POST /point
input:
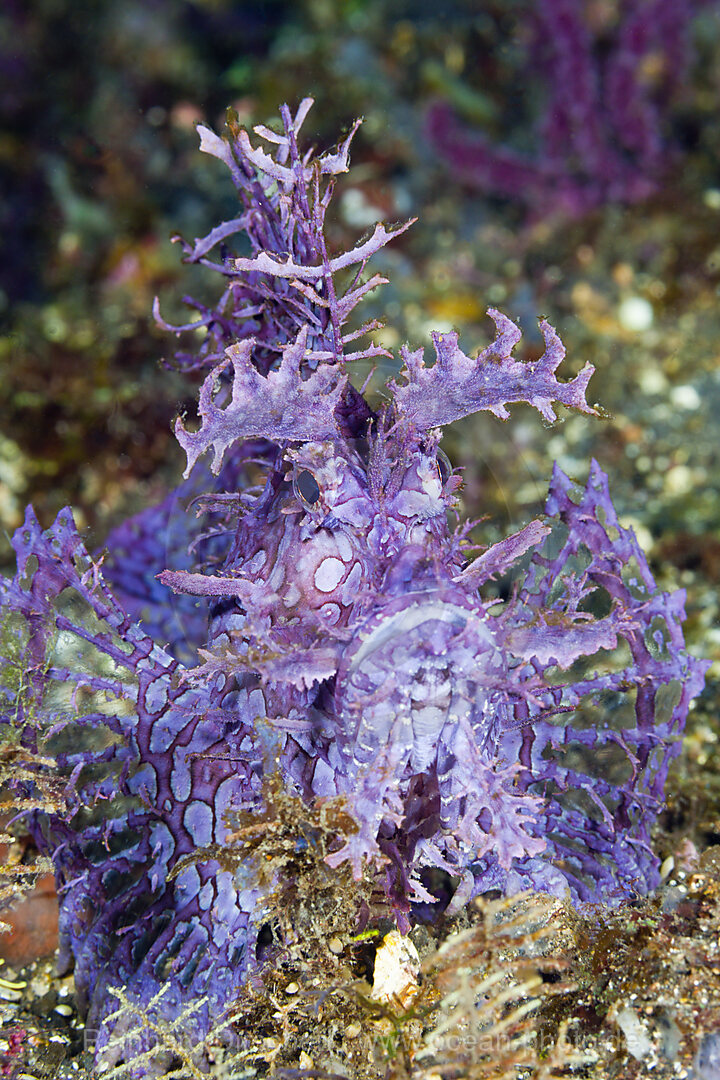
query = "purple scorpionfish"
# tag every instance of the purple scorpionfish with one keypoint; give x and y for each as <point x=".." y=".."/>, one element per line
<point x="331" y="610"/>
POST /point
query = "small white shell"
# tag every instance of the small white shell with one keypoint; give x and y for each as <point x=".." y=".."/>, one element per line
<point x="396" y="970"/>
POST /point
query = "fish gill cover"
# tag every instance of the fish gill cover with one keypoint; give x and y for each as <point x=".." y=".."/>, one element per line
<point x="327" y="630"/>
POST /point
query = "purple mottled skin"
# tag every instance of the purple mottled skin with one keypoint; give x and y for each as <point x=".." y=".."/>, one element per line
<point x="348" y="639"/>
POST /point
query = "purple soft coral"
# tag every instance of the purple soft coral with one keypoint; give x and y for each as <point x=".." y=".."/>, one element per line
<point x="344" y="615"/>
<point x="602" y="137"/>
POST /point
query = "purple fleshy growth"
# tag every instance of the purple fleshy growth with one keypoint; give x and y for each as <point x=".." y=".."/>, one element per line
<point x="279" y="405"/>
<point x="457" y="386"/>
<point x="601" y="138"/>
<point x="166" y="751"/>
<point x="288" y="286"/>
<point x="608" y="779"/>
<point x="170" y="533"/>
<point x="511" y="744"/>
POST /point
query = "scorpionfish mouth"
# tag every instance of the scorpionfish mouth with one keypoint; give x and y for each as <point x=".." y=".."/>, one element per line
<point x="421" y="668"/>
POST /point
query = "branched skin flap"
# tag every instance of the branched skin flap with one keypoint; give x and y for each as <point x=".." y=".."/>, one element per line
<point x="604" y="134"/>
<point x="328" y="622"/>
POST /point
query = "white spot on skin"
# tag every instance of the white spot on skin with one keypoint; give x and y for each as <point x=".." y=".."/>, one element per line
<point x="428" y="720"/>
<point x="235" y="700"/>
<point x="163" y="733"/>
<point x="254" y="565"/>
<point x="145" y="782"/>
<point x="330" y="613"/>
<point x="198" y="820"/>
<point x="187" y="884"/>
<point x="225" y="908"/>
<point x="256" y="703"/>
<point x="324" y="779"/>
<point x="329" y="574"/>
<point x="411" y="503"/>
<point x="206" y="733"/>
<point x="207" y="894"/>
<point x="156" y="697"/>
<point x="352" y="584"/>
<point x="430" y="478"/>
<point x="163" y="844"/>
<point x="277" y="577"/>
<point x="292" y="596"/>
<point x="344" y="547"/>
<point x="180" y="779"/>
<point x="227" y="790"/>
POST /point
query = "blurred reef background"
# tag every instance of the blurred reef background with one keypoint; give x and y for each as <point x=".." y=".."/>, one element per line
<point x="562" y="158"/>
